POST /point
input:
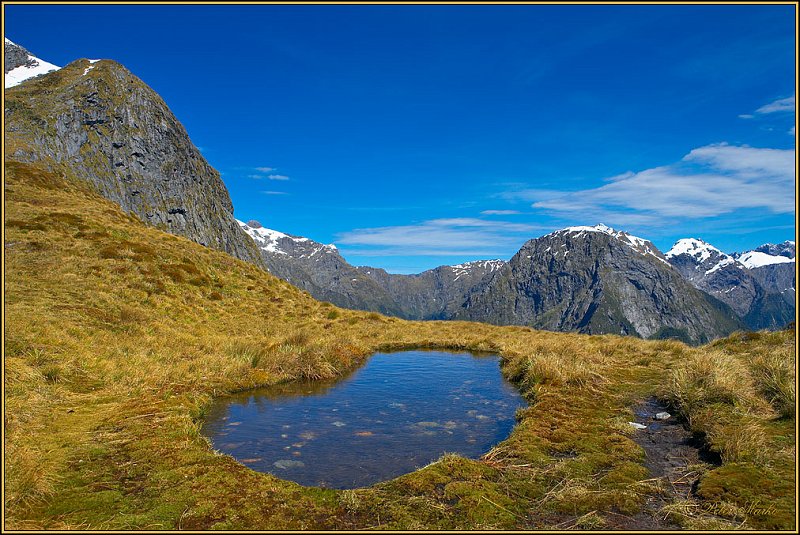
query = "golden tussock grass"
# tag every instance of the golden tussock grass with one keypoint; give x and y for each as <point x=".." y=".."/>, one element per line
<point x="118" y="337"/>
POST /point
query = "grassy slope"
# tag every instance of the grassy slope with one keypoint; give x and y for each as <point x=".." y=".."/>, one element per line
<point x="118" y="336"/>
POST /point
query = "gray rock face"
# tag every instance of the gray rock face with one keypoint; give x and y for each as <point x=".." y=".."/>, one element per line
<point x="597" y="282"/>
<point x="106" y="126"/>
<point x="777" y="278"/>
<point x="16" y="56"/>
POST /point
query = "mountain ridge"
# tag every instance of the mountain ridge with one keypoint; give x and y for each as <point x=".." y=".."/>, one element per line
<point x="99" y="122"/>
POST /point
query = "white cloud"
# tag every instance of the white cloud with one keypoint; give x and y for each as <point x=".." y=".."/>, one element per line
<point x="274" y="193"/>
<point x="256" y="177"/>
<point x="278" y="177"/>
<point x="441" y="237"/>
<point x="791" y="131"/>
<point x="500" y="212"/>
<point x="265" y="169"/>
<point x="780" y="105"/>
<point x="709" y="181"/>
<point x="746" y="116"/>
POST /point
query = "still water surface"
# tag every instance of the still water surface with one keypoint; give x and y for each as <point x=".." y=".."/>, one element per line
<point x="397" y="413"/>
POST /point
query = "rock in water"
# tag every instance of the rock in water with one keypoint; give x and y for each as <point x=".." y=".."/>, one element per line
<point x="663" y="416"/>
<point x="283" y="464"/>
<point x="637" y="426"/>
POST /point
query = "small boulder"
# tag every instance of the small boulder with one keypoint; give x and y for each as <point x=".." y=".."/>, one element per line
<point x="663" y="416"/>
<point x="637" y="426"/>
<point x="283" y="464"/>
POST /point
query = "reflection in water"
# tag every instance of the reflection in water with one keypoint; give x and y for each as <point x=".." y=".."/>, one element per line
<point x="397" y="413"/>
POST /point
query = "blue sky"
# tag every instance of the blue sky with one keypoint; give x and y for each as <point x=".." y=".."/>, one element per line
<point x="416" y="136"/>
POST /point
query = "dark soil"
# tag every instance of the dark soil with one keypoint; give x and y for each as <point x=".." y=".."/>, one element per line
<point x="671" y="452"/>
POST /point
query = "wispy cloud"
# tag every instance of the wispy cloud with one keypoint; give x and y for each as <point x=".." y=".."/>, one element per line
<point x="709" y="181"/>
<point x="782" y="105"/>
<point x="441" y="237"/>
<point x="791" y="131"/>
<point x="500" y="212"/>
<point x="274" y="193"/>
<point x="266" y="173"/>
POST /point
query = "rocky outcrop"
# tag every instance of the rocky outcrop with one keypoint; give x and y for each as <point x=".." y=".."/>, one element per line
<point x="100" y="123"/>
<point x="16" y="56"/>
<point x="596" y="280"/>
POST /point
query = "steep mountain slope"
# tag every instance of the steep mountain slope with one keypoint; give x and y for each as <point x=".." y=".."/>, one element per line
<point x="21" y="65"/>
<point x="100" y="123"/>
<point x="597" y="280"/>
<point x="436" y="293"/>
<point x="320" y="270"/>
<point x="737" y="281"/>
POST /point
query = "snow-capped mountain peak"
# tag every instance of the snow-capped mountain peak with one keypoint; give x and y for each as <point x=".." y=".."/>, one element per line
<point x="698" y="249"/>
<point x="712" y="259"/>
<point x="21" y="65"/>
<point x="756" y="259"/>
<point x="273" y="241"/>
<point x="634" y="242"/>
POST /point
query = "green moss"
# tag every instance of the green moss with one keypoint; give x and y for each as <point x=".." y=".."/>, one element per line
<point x="763" y="495"/>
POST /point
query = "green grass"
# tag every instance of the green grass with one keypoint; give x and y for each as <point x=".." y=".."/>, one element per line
<point x="118" y="337"/>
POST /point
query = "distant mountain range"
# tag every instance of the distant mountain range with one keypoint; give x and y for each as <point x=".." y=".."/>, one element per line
<point x="586" y="279"/>
<point x="96" y="122"/>
<point x="758" y="285"/>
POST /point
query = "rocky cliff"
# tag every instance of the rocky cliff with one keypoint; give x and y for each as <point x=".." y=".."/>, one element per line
<point x="98" y="122"/>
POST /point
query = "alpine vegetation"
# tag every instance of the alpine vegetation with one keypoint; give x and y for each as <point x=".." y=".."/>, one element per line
<point x="151" y="341"/>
